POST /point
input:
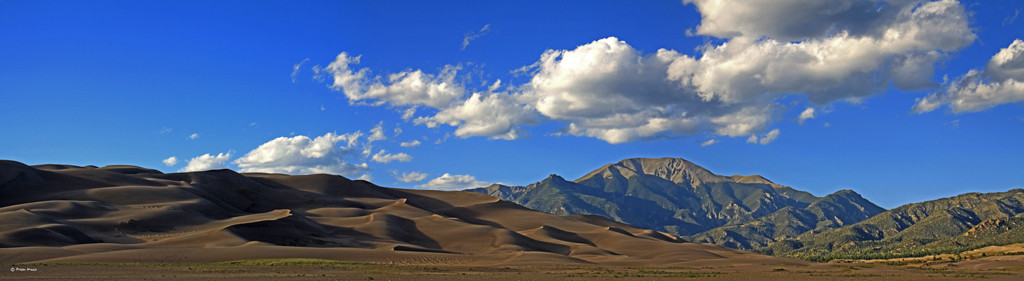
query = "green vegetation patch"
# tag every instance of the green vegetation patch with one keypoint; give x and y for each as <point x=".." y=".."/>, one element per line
<point x="1013" y="268"/>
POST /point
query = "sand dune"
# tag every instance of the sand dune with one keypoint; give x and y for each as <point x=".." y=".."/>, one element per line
<point x="64" y="213"/>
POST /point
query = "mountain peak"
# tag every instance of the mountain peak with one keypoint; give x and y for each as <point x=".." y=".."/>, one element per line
<point x="677" y="170"/>
<point x="555" y="177"/>
<point x="845" y="193"/>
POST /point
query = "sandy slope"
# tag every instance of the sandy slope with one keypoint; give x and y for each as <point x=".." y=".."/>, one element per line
<point x="62" y="213"/>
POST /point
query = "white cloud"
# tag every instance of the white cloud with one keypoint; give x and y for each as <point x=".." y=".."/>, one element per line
<point x="1000" y="82"/>
<point x="412" y="143"/>
<point x="1008" y="63"/>
<point x="297" y="67"/>
<point x="745" y="121"/>
<point x="193" y="136"/>
<point x="806" y="114"/>
<point x="607" y="77"/>
<point x="494" y="87"/>
<point x="795" y="20"/>
<point x="207" y="162"/>
<point x="470" y="36"/>
<point x="709" y="142"/>
<point x="608" y="90"/>
<point x="383" y="157"/>
<point x="851" y="55"/>
<point x="413" y="87"/>
<point x="827" y="51"/>
<point x="411" y="177"/>
<point x="302" y="155"/>
<point x="171" y="161"/>
<point x="730" y="89"/>
<point x="770" y="136"/>
<point x="498" y="116"/>
<point x="377" y="133"/>
<point x="453" y="182"/>
<point x="409" y="113"/>
<point x="495" y="115"/>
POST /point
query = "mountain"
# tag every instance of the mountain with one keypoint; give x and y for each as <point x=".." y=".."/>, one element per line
<point x="947" y="225"/>
<point x="682" y="198"/>
<point x="64" y="213"/>
<point x="831" y="211"/>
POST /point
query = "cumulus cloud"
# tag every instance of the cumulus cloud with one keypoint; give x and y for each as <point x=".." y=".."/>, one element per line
<point x="470" y="36"/>
<point x="747" y="120"/>
<point x="412" y="143"/>
<point x="383" y="157"/>
<point x="207" y="162"/>
<point x="709" y="142"/>
<point x="171" y="161"/>
<point x="806" y="114"/>
<point x="795" y="20"/>
<point x="376" y="134"/>
<point x="495" y="115"/>
<point x="453" y="182"/>
<point x="498" y="116"/>
<point x="303" y="155"/>
<point x="609" y="90"/>
<point x="411" y="177"/>
<point x="193" y="136"/>
<point x="826" y="51"/>
<point x="332" y="153"/>
<point x="1000" y="82"/>
<point x="413" y="87"/>
<point x="849" y="59"/>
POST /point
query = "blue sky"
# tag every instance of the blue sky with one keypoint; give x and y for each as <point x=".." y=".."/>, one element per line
<point x="910" y="101"/>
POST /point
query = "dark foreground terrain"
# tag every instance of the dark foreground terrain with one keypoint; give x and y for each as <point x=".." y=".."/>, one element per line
<point x="311" y="269"/>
